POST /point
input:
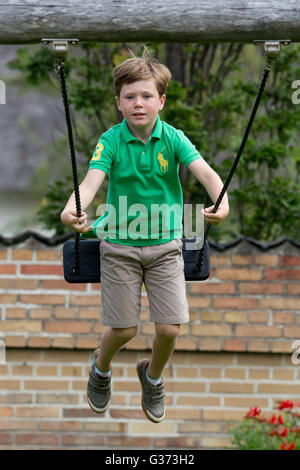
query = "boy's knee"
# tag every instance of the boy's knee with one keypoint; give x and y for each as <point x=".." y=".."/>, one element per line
<point x="167" y="332"/>
<point x="125" y="334"/>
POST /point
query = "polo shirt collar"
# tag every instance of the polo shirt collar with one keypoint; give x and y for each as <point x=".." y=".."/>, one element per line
<point x="129" y="137"/>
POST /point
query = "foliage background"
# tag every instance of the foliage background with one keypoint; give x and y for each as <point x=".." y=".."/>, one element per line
<point x="210" y="98"/>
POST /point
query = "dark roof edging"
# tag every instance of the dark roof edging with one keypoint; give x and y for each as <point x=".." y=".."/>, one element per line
<point x="55" y="241"/>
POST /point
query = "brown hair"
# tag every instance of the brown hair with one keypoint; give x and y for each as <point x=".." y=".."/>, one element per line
<point x="141" y="68"/>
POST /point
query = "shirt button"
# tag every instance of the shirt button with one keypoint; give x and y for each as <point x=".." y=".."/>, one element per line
<point x="143" y="153"/>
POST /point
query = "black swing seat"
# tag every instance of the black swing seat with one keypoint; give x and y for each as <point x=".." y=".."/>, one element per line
<point x="90" y="270"/>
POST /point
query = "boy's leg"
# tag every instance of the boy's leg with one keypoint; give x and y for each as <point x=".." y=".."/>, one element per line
<point x="165" y="285"/>
<point x="112" y="340"/>
<point x="99" y="385"/>
<point x="164" y="343"/>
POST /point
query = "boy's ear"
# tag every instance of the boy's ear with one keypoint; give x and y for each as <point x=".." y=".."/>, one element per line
<point x="162" y="101"/>
<point x="117" y="102"/>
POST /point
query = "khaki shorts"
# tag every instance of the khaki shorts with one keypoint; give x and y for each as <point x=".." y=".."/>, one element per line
<point x="125" y="268"/>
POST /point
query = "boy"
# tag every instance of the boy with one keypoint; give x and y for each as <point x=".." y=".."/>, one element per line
<point x="141" y="156"/>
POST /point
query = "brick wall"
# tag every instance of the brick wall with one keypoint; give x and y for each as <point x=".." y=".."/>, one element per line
<point x="234" y="353"/>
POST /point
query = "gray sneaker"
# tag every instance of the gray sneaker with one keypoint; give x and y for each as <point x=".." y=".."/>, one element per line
<point x="152" y="396"/>
<point x="98" y="389"/>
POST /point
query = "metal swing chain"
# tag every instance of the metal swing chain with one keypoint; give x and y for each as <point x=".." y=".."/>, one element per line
<point x="60" y="48"/>
<point x="272" y="49"/>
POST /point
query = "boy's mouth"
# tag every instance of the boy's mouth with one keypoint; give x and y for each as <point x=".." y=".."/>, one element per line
<point x="139" y="114"/>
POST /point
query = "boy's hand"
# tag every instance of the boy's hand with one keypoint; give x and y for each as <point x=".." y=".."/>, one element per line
<point x="215" y="218"/>
<point x="70" y="219"/>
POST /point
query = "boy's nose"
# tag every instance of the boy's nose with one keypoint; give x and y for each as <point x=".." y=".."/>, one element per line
<point x="138" y="103"/>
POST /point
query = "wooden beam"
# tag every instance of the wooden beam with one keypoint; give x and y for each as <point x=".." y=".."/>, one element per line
<point x="23" y="21"/>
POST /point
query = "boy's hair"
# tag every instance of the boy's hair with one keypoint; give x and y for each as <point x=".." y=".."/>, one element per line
<point x="141" y="68"/>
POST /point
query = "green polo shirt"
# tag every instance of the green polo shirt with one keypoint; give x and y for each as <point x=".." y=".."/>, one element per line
<point x="144" y="203"/>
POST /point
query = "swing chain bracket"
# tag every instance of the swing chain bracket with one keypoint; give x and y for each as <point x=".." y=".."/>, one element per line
<point x="60" y="50"/>
<point x="272" y="48"/>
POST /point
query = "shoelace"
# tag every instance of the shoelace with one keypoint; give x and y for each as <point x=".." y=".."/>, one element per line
<point x="99" y="384"/>
<point x="156" y="392"/>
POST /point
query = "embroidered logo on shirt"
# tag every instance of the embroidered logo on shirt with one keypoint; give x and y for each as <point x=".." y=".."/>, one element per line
<point x="162" y="161"/>
<point x="97" y="153"/>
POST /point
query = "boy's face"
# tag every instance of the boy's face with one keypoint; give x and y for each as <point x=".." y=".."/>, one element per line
<point x="140" y="103"/>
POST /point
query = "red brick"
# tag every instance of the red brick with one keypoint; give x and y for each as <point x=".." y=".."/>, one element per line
<point x="177" y="442"/>
<point x="81" y="413"/>
<point x="39" y="342"/>
<point x="68" y="327"/>
<point x="15" y="341"/>
<point x="29" y="326"/>
<point x="242" y="274"/>
<point x="266" y="260"/>
<point x="7" y="269"/>
<point x="219" y="260"/>
<point x="43" y="299"/>
<point x="85" y="300"/>
<point x="258" y="345"/>
<point x="258" y="331"/>
<point x="15" y="313"/>
<point x="288" y="260"/>
<point x="127" y="414"/>
<point x="26" y="284"/>
<point x="293" y="289"/>
<point x="144" y="442"/>
<point x="40" y="269"/>
<point x="286" y="274"/>
<point x="5" y="438"/>
<point x="283" y="317"/>
<point x="87" y="343"/>
<point x="280" y="303"/>
<point x="186" y="344"/>
<point x="261" y="288"/>
<point x="62" y="285"/>
<point x="234" y="345"/>
<point x="83" y="439"/>
<point x="241" y="260"/>
<point x="47" y="255"/>
<point x="5" y="410"/>
<point x="22" y="254"/>
<point x="200" y="302"/>
<point x="17" y="425"/>
<point x="210" y="344"/>
<point x="292" y="331"/>
<point x="235" y="303"/>
<point x="211" y="330"/>
<point x="212" y="288"/>
<point x="8" y="299"/>
<point x="37" y="439"/>
<point x="65" y="343"/>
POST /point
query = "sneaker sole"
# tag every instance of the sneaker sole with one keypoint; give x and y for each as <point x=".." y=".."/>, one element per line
<point x="98" y="410"/>
<point x="147" y="413"/>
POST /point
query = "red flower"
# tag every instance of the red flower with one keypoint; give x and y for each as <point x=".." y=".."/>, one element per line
<point x="297" y="430"/>
<point x="253" y="412"/>
<point x="285" y="446"/>
<point x="284" y="432"/>
<point x="273" y="419"/>
<point x="280" y="420"/>
<point x="286" y="404"/>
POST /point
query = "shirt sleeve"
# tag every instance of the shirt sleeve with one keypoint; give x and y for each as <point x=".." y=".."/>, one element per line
<point x="186" y="152"/>
<point x="103" y="155"/>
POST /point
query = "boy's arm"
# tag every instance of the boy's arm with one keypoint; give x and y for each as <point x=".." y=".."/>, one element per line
<point x="213" y="185"/>
<point x="87" y="190"/>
